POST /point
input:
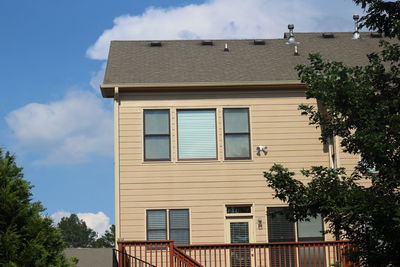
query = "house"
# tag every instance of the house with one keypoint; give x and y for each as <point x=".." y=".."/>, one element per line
<point x="196" y="125"/>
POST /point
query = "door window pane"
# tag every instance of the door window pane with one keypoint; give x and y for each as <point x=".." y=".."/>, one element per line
<point x="197" y="134"/>
<point x="156" y="134"/>
<point x="239" y="232"/>
<point x="236" y="133"/>
<point x="156" y="225"/>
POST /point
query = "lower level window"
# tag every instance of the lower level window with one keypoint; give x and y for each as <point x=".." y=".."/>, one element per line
<point x="280" y="229"/>
<point x="177" y="225"/>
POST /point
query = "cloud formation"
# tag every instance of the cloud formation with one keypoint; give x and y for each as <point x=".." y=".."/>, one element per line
<point x="98" y="222"/>
<point x="97" y="78"/>
<point x="65" y="131"/>
<point x="219" y="19"/>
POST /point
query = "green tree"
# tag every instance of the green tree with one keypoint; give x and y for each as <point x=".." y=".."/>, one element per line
<point x="361" y="105"/>
<point x="26" y="237"/>
<point x="75" y="232"/>
<point x="107" y="240"/>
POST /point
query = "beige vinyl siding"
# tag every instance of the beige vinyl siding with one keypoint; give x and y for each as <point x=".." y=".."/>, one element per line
<point x="206" y="186"/>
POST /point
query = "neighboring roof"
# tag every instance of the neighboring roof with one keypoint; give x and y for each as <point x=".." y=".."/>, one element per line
<point x="189" y="62"/>
<point x="89" y="257"/>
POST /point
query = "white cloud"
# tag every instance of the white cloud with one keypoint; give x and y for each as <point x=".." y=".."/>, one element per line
<point x="65" y="131"/>
<point x="97" y="77"/>
<point x="98" y="222"/>
<point x="57" y="216"/>
<point x="218" y="19"/>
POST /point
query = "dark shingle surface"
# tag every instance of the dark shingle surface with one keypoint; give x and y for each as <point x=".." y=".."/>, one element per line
<point x="187" y="61"/>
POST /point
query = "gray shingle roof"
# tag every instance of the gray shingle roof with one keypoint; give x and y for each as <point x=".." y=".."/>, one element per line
<point x="187" y="61"/>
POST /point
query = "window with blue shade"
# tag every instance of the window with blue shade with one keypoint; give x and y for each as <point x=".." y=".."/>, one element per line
<point x="156" y="134"/>
<point x="197" y="134"/>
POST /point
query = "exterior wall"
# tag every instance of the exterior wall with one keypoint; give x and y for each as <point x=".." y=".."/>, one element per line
<point x="206" y="186"/>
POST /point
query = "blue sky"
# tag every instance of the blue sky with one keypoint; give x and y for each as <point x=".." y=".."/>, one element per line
<point x="52" y="56"/>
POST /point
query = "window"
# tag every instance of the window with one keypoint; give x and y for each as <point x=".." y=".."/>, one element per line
<point x="156" y="225"/>
<point x="280" y="229"/>
<point x="178" y="225"/>
<point x="197" y="134"/>
<point x="156" y="134"/>
<point x="238" y="209"/>
<point x="311" y="230"/>
<point x="236" y="133"/>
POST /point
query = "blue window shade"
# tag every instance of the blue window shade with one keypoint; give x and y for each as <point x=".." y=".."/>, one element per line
<point x="156" y="225"/>
<point x="197" y="134"/>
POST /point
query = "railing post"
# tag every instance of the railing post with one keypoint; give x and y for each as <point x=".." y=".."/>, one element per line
<point x="121" y="256"/>
<point x="171" y="253"/>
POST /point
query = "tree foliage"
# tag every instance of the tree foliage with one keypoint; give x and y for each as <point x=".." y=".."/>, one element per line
<point x="361" y="105"/>
<point x="383" y="16"/>
<point x="107" y="240"/>
<point x="26" y="237"/>
<point x="75" y="232"/>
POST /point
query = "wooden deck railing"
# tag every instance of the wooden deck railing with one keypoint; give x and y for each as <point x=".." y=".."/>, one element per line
<point x="288" y="254"/>
<point x="153" y="253"/>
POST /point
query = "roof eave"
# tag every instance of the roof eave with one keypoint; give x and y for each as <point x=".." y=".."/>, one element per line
<point x="107" y="90"/>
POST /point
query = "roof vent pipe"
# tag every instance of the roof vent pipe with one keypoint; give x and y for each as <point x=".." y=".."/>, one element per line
<point x="291" y="40"/>
<point x="226" y="49"/>
<point x="356" y="33"/>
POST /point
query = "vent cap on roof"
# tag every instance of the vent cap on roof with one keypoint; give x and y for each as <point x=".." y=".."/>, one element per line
<point x="155" y="43"/>
<point x="259" y="42"/>
<point x="356" y="33"/>
<point x="291" y="40"/>
<point x="207" y="42"/>
<point x="376" y="35"/>
<point x="327" y="35"/>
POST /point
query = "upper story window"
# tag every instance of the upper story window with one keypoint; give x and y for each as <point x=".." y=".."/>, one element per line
<point x="236" y="133"/>
<point x="156" y="134"/>
<point x="197" y="134"/>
